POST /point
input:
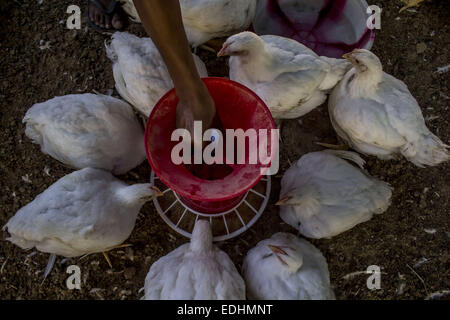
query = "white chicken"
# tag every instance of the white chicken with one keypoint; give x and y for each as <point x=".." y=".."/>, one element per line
<point x="207" y="19"/>
<point x="323" y="195"/>
<point x="375" y="114"/>
<point x="195" y="271"/>
<point x="140" y="73"/>
<point x="88" y="130"/>
<point x="87" y="211"/>
<point x="285" y="267"/>
<point x="290" y="78"/>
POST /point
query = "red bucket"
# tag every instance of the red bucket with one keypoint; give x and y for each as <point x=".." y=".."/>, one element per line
<point x="237" y="108"/>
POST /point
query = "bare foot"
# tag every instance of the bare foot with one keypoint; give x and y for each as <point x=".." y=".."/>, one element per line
<point x="103" y="20"/>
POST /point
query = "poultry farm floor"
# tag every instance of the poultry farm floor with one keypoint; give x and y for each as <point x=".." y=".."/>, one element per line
<point x="41" y="59"/>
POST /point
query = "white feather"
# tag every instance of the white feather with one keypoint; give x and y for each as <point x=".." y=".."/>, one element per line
<point x="329" y="195"/>
<point x="87" y="130"/>
<point x="302" y="274"/>
<point x="207" y="19"/>
<point x="290" y="78"/>
<point x="84" y="212"/>
<point x="195" y="271"/>
<point x="140" y="73"/>
<point x="376" y="115"/>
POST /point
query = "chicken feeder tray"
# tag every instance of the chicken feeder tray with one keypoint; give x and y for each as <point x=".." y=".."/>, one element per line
<point x="232" y="202"/>
<point x="225" y="216"/>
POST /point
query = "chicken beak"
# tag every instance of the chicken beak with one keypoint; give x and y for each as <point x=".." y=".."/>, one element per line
<point x="349" y="56"/>
<point x="158" y="192"/>
<point x="222" y="51"/>
<point x="283" y="201"/>
<point x="277" y="250"/>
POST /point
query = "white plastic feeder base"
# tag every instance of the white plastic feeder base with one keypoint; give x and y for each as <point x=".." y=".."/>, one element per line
<point x="226" y="216"/>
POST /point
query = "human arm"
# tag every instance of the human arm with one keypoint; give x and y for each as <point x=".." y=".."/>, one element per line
<point x="162" y="21"/>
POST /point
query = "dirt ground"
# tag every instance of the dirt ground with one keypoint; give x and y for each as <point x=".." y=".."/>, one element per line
<point x="412" y="45"/>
